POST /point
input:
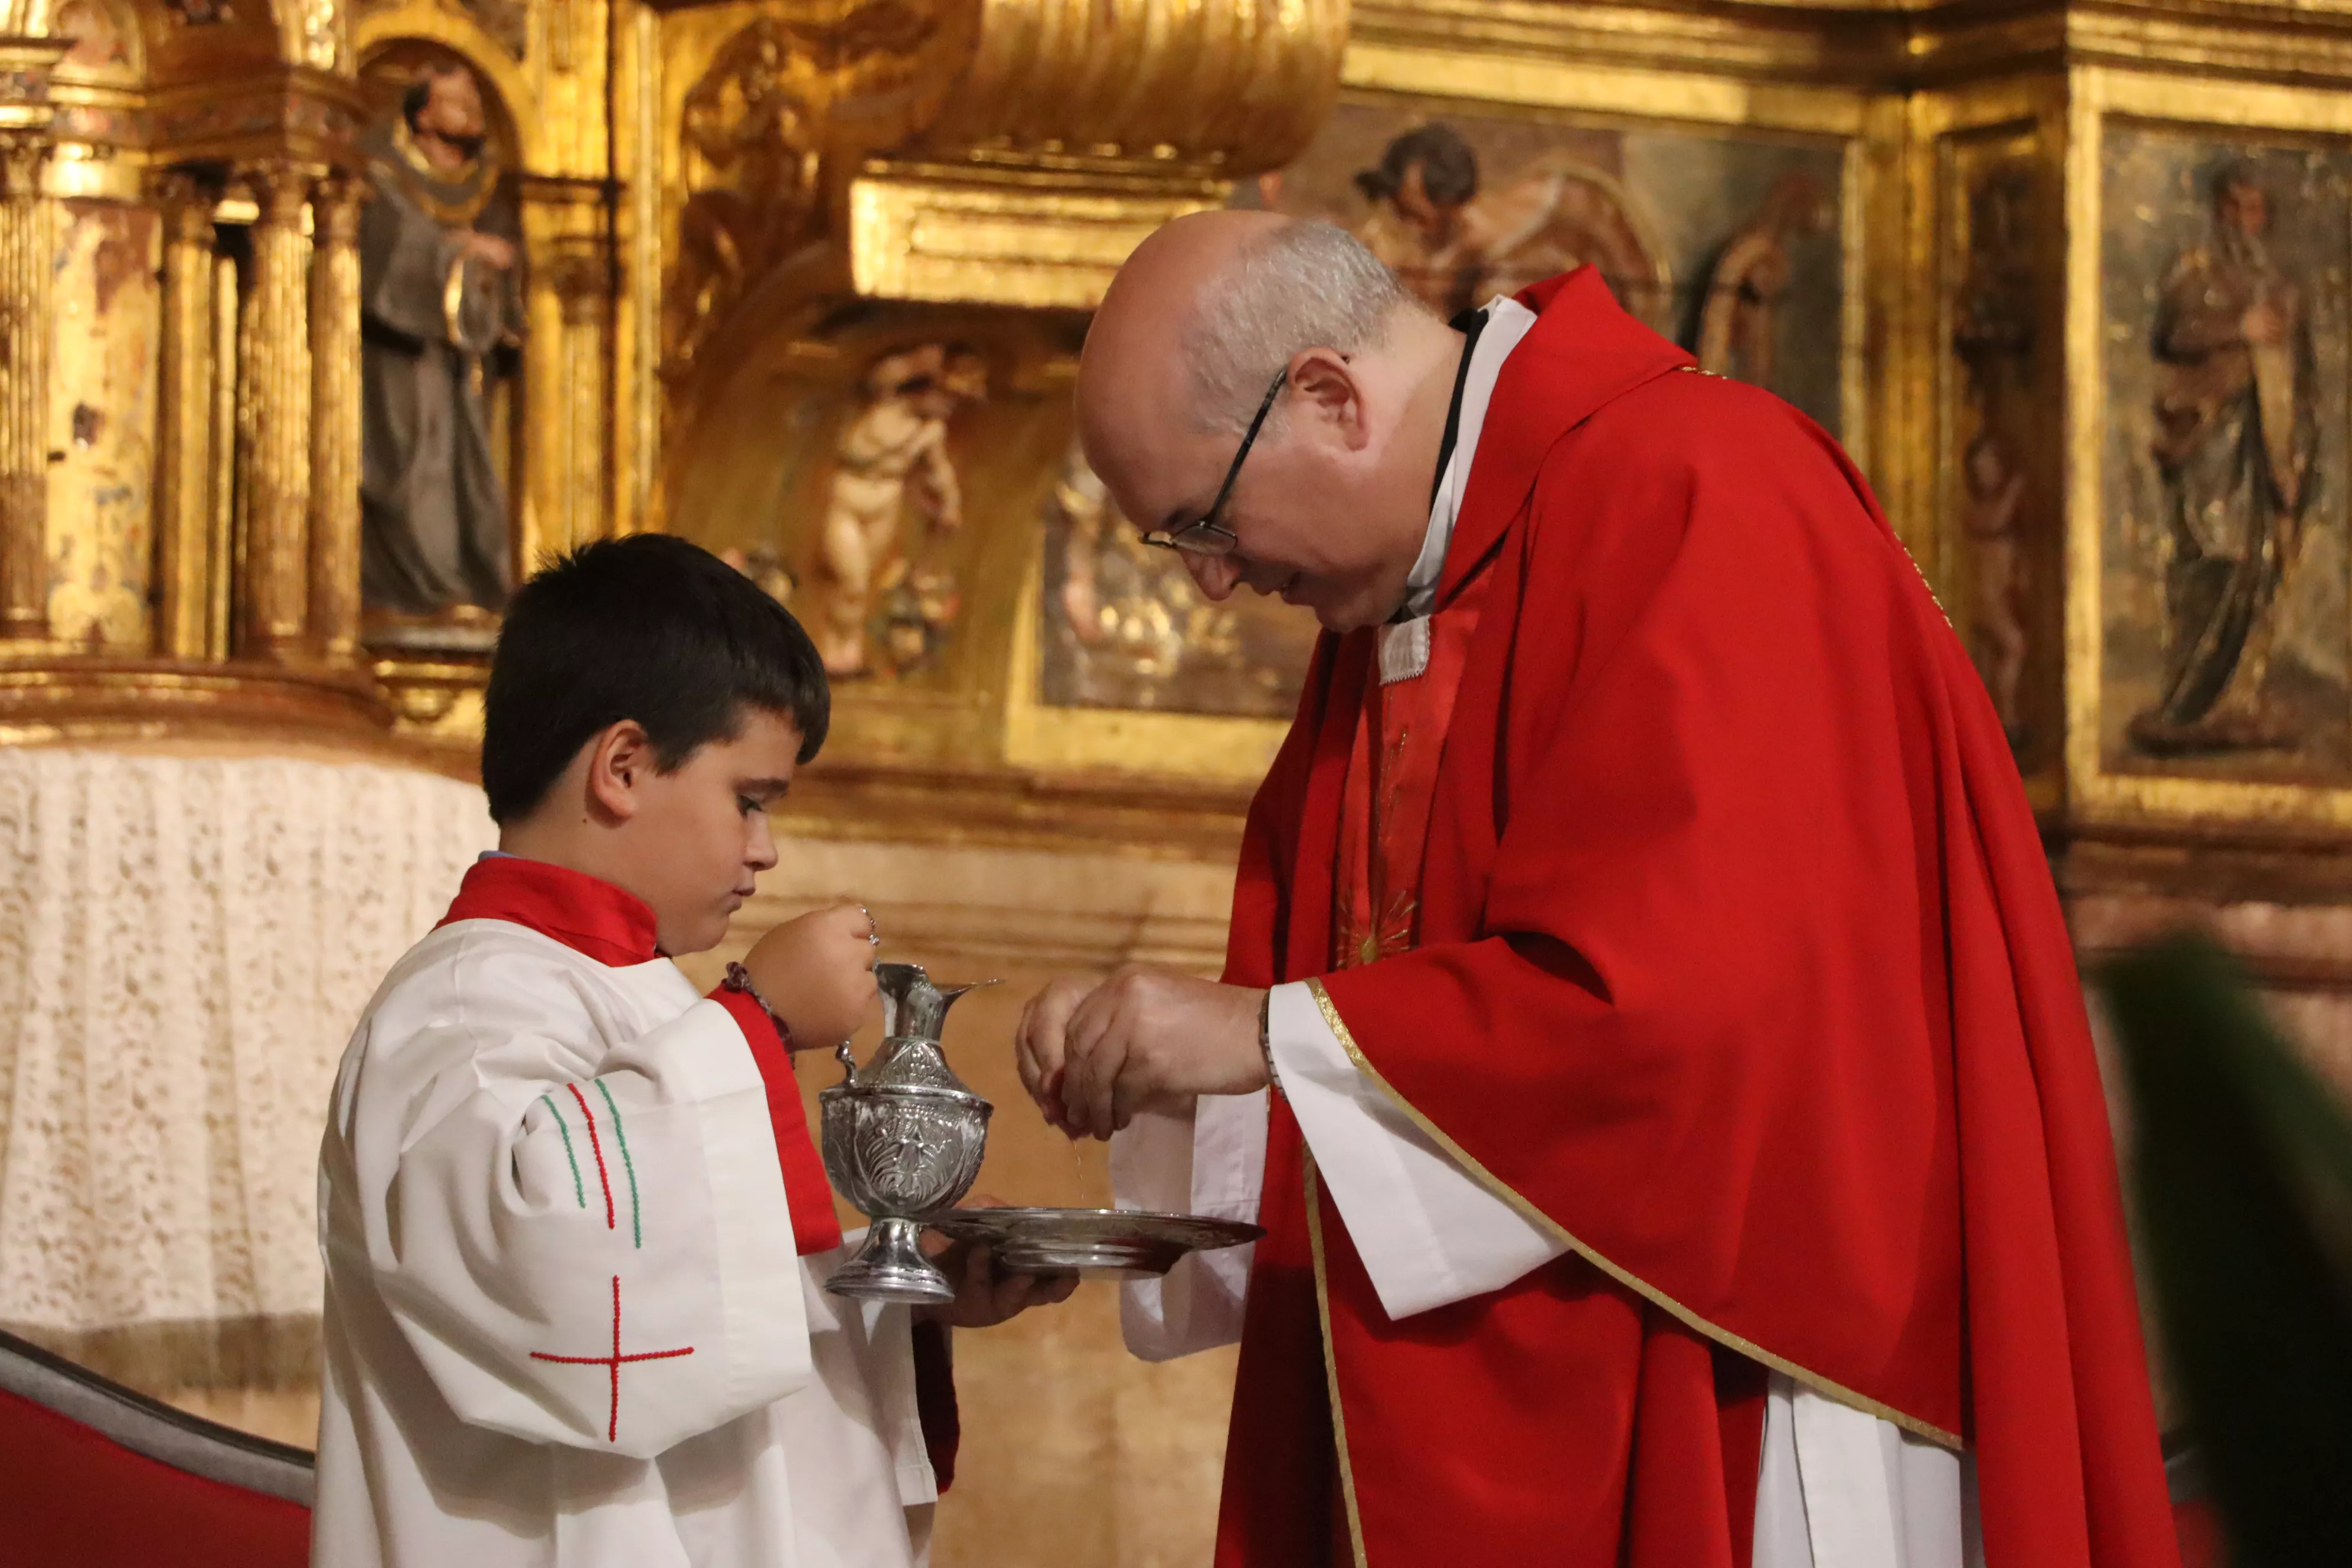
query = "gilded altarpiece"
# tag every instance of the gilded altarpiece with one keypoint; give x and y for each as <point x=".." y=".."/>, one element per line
<point x="806" y="280"/>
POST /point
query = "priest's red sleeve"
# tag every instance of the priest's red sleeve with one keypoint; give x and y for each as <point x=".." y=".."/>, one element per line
<point x="816" y="1227"/>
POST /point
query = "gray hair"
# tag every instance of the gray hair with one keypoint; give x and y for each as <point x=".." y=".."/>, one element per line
<point x="1306" y="284"/>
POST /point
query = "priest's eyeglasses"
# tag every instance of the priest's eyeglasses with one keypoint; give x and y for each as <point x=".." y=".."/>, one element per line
<point x="1207" y="536"/>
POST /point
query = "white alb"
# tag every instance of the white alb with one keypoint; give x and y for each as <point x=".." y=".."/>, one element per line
<point x="566" y="1323"/>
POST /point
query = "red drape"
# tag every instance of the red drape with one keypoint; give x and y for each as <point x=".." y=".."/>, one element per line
<point x="71" y="1498"/>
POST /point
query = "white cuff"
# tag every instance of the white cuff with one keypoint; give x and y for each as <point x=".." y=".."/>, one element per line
<point x="1210" y="1162"/>
<point x="1428" y="1231"/>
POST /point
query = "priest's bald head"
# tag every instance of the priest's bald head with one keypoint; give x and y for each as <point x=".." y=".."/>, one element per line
<point x="1225" y="321"/>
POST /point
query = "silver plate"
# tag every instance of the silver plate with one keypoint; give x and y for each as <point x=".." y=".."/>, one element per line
<point x="1098" y="1243"/>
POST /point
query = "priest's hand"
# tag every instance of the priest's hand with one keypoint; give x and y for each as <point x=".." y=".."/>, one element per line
<point x="1143" y="1039"/>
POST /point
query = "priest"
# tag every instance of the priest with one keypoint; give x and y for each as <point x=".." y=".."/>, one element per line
<point x="1648" y="1036"/>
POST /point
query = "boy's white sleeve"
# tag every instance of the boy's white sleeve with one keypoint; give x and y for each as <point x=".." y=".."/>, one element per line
<point x="604" y="1260"/>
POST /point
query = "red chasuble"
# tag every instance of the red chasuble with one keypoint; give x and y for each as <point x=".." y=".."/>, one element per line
<point x="1716" y="933"/>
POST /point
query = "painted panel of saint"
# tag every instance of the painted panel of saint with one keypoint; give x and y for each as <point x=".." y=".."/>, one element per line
<point x="441" y="324"/>
<point x="2224" y="590"/>
<point x="1125" y="627"/>
<point x="1728" y="243"/>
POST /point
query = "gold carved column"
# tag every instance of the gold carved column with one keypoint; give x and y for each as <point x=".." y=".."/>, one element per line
<point x="187" y="561"/>
<point x="274" y="418"/>
<point x="335" y="479"/>
<point x="26" y="239"/>
<point x="569" y="387"/>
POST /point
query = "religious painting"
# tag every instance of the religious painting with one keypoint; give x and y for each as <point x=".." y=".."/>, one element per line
<point x="2002" y="460"/>
<point x="2223" y="580"/>
<point x="441" y="283"/>
<point x="1122" y="625"/>
<point x="1727" y="242"/>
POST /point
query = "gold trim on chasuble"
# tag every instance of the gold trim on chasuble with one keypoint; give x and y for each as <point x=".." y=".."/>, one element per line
<point x="1330" y="1356"/>
<point x="1626" y="1277"/>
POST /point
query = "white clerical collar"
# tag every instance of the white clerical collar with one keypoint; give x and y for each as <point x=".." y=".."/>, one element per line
<point x="1507" y="322"/>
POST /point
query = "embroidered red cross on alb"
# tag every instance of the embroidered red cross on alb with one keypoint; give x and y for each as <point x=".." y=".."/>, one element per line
<point x="614" y="1362"/>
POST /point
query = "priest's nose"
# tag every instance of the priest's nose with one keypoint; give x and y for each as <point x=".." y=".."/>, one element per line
<point x="1217" y="575"/>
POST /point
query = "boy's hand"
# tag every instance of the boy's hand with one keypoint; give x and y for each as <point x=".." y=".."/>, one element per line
<point x="984" y="1299"/>
<point x="817" y="972"/>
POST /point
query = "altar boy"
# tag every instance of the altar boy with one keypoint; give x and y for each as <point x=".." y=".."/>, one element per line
<point x="576" y="1230"/>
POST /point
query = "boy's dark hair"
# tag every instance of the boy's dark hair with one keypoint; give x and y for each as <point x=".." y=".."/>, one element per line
<point x="648" y="628"/>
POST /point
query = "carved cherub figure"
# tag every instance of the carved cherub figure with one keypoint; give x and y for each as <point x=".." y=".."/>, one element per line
<point x="892" y="454"/>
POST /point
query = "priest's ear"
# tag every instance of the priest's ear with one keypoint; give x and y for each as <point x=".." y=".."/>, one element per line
<point x="621" y="759"/>
<point x="1324" y="391"/>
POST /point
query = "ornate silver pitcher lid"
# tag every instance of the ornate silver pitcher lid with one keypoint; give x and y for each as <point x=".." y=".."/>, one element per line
<point x="914" y="1010"/>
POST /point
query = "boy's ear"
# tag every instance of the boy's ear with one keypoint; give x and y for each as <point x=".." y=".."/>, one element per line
<point x="620" y="760"/>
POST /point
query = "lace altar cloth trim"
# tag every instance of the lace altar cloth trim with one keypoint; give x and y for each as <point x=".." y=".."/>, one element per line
<point x="185" y="944"/>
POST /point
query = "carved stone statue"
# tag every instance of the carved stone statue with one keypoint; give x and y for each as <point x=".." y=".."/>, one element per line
<point x="891" y="458"/>
<point x="1996" y="492"/>
<point x="1736" y="325"/>
<point x="2236" y="434"/>
<point x="758" y="142"/>
<point x="441" y="315"/>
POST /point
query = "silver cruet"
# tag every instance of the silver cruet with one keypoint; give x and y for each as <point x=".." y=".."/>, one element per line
<point x="902" y="1138"/>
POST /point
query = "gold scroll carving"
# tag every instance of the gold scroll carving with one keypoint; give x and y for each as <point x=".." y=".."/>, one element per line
<point x="779" y="110"/>
<point x="1078" y="128"/>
